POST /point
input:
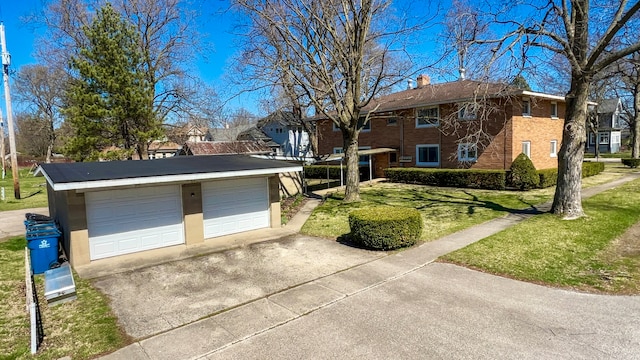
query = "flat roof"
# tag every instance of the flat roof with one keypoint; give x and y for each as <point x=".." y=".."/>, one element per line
<point x="340" y="156"/>
<point x="95" y="175"/>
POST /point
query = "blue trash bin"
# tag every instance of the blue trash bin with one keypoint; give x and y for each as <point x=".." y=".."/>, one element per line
<point x="43" y="249"/>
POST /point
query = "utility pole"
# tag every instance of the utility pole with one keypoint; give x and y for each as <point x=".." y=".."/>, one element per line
<point x="2" y="143"/>
<point x="6" y="61"/>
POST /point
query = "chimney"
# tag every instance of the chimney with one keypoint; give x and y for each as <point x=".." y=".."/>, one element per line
<point x="423" y="80"/>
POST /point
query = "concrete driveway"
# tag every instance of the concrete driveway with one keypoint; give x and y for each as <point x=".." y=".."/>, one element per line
<point x="162" y="297"/>
<point x="442" y="311"/>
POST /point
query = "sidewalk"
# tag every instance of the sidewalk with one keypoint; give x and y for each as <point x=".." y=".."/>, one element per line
<point x="205" y="337"/>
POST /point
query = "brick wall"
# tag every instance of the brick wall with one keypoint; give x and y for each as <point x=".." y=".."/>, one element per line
<point x="507" y="133"/>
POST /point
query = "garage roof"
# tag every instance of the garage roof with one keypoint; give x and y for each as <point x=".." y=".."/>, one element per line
<point x="95" y="175"/>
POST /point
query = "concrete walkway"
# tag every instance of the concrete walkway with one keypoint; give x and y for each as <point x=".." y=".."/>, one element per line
<point x="377" y="310"/>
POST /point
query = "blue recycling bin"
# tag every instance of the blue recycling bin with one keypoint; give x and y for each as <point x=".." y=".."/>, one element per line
<point x="43" y="249"/>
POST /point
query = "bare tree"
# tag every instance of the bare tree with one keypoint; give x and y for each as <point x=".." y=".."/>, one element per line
<point x="41" y="88"/>
<point x="626" y="86"/>
<point x="168" y="40"/>
<point x="335" y="54"/>
<point x="590" y="36"/>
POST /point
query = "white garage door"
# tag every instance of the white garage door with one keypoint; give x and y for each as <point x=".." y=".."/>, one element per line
<point x="234" y="206"/>
<point x="131" y="220"/>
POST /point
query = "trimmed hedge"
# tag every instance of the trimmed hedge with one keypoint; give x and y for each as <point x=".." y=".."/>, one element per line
<point x="632" y="163"/>
<point x="464" y="178"/>
<point x="320" y="171"/>
<point x="385" y="227"/>
<point x="522" y="174"/>
<point x="549" y="177"/>
<point x="592" y="168"/>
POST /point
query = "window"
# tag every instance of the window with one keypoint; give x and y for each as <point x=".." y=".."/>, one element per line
<point x="392" y="121"/>
<point x="554" y="110"/>
<point x="592" y="139"/>
<point x="526" y="148"/>
<point x="603" y="138"/>
<point x="427" y="117"/>
<point x="554" y="148"/>
<point x="467" y="152"/>
<point x="338" y="150"/>
<point x="335" y="127"/>
<point x="466" y="112"/>
<point x="363" y="159"/>
<point x="393" y="157"/>
<point x="526" y="107"/>
<point x="428" y="155"/>
<point x="364" y="126"/>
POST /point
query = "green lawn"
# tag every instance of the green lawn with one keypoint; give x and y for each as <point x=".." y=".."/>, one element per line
<point x="444" y="210"/>
<point x="33" y="191"/>
<point x="80" y="329"/>
<point x="587" y="254"/>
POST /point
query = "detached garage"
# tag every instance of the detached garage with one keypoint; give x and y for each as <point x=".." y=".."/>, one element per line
<point x="107" y="209"/>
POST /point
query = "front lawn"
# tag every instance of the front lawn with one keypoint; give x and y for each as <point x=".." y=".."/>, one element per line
<point x="33" y="191"/>
<point x="81" y="329"/>
<point x="444" y="210"/>
<point x="591" y="254"/>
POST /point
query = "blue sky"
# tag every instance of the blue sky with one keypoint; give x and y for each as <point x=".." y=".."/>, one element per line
<point x="215" y="24"/>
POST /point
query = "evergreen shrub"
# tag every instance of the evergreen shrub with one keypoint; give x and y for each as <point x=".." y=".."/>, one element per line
<point x="522" y="174"/>
<point x="385" y="227"/>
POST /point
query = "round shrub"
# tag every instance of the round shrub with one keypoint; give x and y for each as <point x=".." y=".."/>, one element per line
<point x="522" y="174"/>
<point x="385" y="227"/>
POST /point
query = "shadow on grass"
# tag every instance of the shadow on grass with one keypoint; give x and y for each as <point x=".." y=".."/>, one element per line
<point x="475" y="202"/>
<point x="33" y="194"/>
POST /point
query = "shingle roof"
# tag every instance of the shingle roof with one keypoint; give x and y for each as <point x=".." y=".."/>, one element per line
<point x="177" y="167"/>
<point x="225" y="147"/>
<point x="608" y="106"/>
<point x="284" y="118"/>
<point x="433" y="94"/>
<point x="254" y="134"/>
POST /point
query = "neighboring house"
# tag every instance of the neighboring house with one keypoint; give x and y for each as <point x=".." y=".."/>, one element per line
<point x="159" y="149"/>
<point x="439" y="126"/>
<point x="198" y="133"/>
<point x="607" y="132"/>
<point x="223" y="147"/>
<point x="284" y="130"/>
<point x="108" y="209"/>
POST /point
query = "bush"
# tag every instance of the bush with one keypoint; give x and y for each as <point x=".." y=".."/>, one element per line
<point x="633" y="163"/>
<point x="320" y="171"/>
<point x="548" y="178"/>
<point x="476" y="179"/>
<point x="522" y="174"/>
<point x="592" y="168"/>
<point x="385" y="227"/>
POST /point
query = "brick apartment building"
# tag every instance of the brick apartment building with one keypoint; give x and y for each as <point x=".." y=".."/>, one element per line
<point x="459" y="124"/>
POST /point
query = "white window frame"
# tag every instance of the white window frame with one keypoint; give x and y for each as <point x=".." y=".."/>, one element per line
<point x="603" y="138"/>
<point x="553" y="150"/>
<point x="554" y="110"/>
<point x="463" y="152"/>
<point x="467" y="112"/>
<point x="526" y="148"/>
<point x="426" y="163"/>
<point x="335" y="127"/>
<point x="526" y="107"/>
<point x="429" y="124"/>
<point x="592" y="138"/>
<point x="338" y="150"/>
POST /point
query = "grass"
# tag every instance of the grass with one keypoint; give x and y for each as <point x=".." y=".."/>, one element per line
<point x="82" y="329"/>
<point x="33" y="191"/>
<point x="443" y="210"/>
<point x="623" y="154"/>
<point x="589" y="254"/>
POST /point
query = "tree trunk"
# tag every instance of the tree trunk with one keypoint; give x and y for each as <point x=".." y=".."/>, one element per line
<point x="352" y="188"/>
<point x="635" y="123"/>
<point x="568" y="197"/>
